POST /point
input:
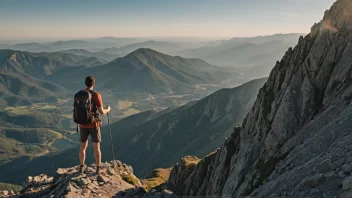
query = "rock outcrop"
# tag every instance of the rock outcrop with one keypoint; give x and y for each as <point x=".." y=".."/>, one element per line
<point x="6" y="193"/>
<point x="115" y="180"/>
<point x="295" y="141"/>
<point x="156" y="179"/>
<point x="180" y="172"/>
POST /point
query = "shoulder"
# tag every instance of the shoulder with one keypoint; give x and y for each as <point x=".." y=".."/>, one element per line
<point x="96" y="93"/>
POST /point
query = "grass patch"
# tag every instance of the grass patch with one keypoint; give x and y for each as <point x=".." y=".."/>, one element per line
<point x="124" y="104"/>
<point x="9" y="187"/>
<point x="11" y="149"/>
<point x="191" y="161"/>
<point x="67" y="115"/>
<point x="18" y="142"/>
<point x="130" y="179"/>
<point x="61" y="101"/>
<point x="25" y="110"/>
<point x="30" y="118"/>
<point x="156" y="178"/>
<point x="19" y="110"/>
<point x="43" y="106"/>
<point x="36" y="136"/>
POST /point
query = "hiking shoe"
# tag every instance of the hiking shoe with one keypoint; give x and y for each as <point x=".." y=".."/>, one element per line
<point x="98" y="170"/>
<point x="82" y="168"/>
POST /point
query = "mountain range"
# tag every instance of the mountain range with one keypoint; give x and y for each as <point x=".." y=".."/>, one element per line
<point x="24" y="75"/>
<point x="228" y="44"/>
<point x="253" y="56"/>
<point x="153" y="139"/>
<point x="88" y="54"/>
<point x="39" y="65"/>
<point x="90" y="44"/>
<point x="142" y="70"/>
<point x="146" y="70"/>
<point x="22" y="89"/>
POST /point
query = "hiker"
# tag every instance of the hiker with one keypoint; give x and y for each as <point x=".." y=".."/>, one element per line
<point x="88" y="104"/>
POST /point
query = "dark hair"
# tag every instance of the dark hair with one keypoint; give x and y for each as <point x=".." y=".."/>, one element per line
<point x="90" y="81"/>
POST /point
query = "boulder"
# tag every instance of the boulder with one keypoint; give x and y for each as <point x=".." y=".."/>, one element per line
<point x="12" y="192"/>
<point x="324" y="166"/>
<point x="102" y="179"/>
<point x="341" y="174"/>
<point x="4" y="193"/>
<point x="347" y="168"/>
<point x="313" y="181"/>
<point x="314" y="191"/>
<point x="347" y="183"/>
<point x="111" y="171"/>
<point x="83" y="182"/>
<point x="61" y="171"/>
<point x="73" y="188"/>
<point x="329" y="175"/>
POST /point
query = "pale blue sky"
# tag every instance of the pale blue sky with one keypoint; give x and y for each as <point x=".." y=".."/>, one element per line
<point x="147" y="18"/>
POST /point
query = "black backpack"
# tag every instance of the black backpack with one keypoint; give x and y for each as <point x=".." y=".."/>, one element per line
<point x="84" y="109"/>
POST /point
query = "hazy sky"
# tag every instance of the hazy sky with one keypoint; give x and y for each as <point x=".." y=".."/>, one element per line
<point x="146" y="18"/>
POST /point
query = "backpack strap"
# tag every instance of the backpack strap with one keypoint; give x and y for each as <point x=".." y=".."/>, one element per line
<point x="93" y="93"/>
<point x="94" y="105"/>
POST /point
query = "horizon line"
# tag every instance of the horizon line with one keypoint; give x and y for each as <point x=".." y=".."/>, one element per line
<point x="142" y="37"/>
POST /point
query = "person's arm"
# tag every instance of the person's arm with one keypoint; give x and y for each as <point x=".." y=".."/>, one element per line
<point x="99" y="103"/>
<point x="103" y="111"/>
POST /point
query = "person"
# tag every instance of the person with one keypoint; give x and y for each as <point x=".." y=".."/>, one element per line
<point x="92" y="130"/>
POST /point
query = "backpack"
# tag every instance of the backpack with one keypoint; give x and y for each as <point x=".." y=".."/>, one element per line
<point x="84" y="109"/>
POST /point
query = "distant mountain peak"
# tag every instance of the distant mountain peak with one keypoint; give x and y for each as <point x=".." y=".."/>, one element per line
<point x="146" y="51"/>
<point x="147" y="55"/>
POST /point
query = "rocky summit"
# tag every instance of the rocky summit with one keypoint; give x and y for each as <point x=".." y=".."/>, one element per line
<point x="296" y="141"/>
<point x="115" y="180"/>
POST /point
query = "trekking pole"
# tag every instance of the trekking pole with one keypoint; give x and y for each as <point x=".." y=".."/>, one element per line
<point x="112" y="145"/>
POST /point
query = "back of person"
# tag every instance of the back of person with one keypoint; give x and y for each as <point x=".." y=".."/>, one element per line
<point x="88" y="104"/>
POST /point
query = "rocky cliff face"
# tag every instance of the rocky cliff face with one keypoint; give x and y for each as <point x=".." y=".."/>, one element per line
<point x="180" y="172"/>
<point x="296" y="139"/>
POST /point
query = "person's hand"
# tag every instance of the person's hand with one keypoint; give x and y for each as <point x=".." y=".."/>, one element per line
<point x="108" y="108"/>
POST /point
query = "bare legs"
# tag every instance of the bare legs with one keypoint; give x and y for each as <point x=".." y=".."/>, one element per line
<point x="97" y="153"/>
<point x="82" y="152"/>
